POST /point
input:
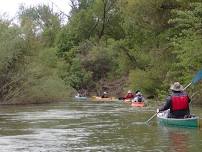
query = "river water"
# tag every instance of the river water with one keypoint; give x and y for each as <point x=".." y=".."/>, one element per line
<point x="74" y="126"/>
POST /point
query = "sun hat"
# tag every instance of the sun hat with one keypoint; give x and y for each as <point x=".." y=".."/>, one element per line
<point x="176" y="87"/>
<point x="129" y="91"/>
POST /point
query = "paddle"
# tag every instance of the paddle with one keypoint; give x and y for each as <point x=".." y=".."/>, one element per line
<point x="196" y="78"/>
<point x="151" y="117"/>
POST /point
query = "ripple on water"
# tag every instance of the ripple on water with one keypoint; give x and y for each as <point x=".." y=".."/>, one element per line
<point x="88" y="127"/>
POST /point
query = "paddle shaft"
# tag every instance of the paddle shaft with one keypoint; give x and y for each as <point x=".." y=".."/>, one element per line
<point x="151" y="117"/>
<point x="187" y="86"/>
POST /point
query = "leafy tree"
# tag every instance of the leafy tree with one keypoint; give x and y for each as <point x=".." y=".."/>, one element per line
<point x="147" y="44"/>
<point x="42" y="20"/>
<point x="186" y="41"/>
<point x="29" y="65"/>
<point x="12" y="48"/>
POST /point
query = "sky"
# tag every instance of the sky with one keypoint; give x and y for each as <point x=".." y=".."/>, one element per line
<point x="10" y="7"/>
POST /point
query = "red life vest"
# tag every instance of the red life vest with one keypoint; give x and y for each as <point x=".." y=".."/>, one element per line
<point x="179" y="102"/>
<point x="129" y="96"/>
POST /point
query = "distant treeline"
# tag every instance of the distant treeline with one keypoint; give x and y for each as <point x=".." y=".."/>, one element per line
<point x="148" y="44"/>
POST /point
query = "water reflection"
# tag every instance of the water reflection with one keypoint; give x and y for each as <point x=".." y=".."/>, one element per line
<point x="77" y="126"/>
<point x="180" y="139"/>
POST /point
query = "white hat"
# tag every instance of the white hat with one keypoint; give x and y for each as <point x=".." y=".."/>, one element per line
<point x="105" y="92"/>
<point x="129" y="91"/>
<point x="176" y="87"/>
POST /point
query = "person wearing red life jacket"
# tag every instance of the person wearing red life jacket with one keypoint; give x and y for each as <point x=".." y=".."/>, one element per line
<point x="129" y="95"/>
<point x="177" y="102"/>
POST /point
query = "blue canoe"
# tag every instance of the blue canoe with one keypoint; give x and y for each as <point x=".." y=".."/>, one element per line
<point x="80" y="98"/>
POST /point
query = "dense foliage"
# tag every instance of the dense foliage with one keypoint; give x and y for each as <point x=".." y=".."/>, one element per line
<point x="29" y="65"/>
<point x="106" y="45"/>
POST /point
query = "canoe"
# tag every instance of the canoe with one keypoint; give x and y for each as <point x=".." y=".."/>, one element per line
<point x="137" y="104"/>
<point x="80" y="98"/>
<point x="192" y="122"/>
<point x="110" y="99"/>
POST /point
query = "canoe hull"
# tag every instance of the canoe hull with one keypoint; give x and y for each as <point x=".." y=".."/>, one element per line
<point x="80" y="98"/>
<point x="99" y="99"/>
<point x="186" y="122"/>
<point x="137" y="104"/>
<point x="127" y="101"/>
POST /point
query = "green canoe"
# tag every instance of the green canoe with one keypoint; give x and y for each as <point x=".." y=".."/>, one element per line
<point x="192" y="122"/>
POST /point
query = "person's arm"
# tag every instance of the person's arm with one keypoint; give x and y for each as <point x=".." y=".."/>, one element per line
<point x="189" y="100"/>
<point x="167" y="104"/>
<point x="143" y="99"/>
<point x="126" y="97"/>
<point x="134" y="99"/>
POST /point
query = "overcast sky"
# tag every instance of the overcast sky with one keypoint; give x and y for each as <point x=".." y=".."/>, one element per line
<point x="11" y="6"/>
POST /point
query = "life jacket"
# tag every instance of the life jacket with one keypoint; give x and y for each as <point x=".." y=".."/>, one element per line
<point x="179" y="102"/>
<point x="139" y="98"/>
<point x="129" y="96"/>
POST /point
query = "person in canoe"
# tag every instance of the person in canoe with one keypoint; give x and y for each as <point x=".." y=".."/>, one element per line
<point x="129" y="95"/>
<point x="178" y="102"/>
<point x="105" y="95"/>
<point x="138" y="97"/>
<point x="79" y="95"/>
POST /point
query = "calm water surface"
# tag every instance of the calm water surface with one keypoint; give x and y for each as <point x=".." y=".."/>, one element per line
<point x="90" y="127"/>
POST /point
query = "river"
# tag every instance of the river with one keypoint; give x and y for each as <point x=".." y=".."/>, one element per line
<point x="74" y="126"/>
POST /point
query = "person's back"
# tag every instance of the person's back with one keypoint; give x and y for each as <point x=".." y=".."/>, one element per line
<point x="138" y="97"/>
<point x="177" y="102"/>
<point x="78" y="95"/>
<point x="129" y="95"/>
<point x="179" y="107"/>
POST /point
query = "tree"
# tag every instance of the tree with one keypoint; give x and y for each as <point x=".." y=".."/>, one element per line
<point x="186" y="40"/>
<point x="43" y="21"/>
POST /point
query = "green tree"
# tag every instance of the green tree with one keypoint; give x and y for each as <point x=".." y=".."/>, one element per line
<point x="186" y="41"/>
<point x="43" y="21"/>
